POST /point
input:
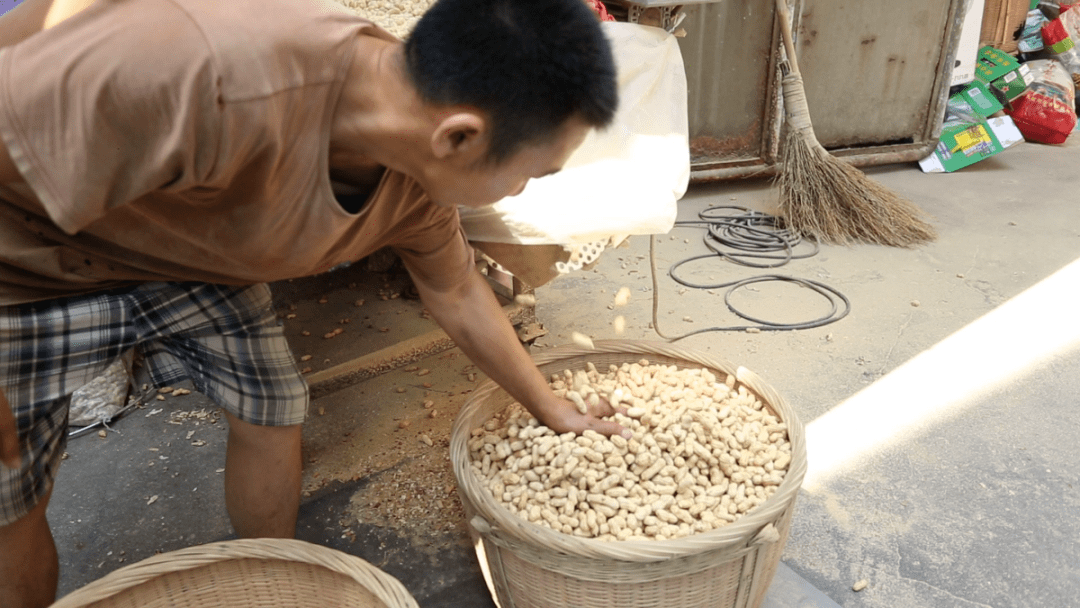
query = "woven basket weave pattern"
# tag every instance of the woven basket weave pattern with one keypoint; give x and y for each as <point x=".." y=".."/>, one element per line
<point x="534" y="566"/>
<point x="1001" y="18"/>
<point x="260" y="573"/>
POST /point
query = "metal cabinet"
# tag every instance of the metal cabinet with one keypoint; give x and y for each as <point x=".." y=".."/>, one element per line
<point x="876" y="72"/>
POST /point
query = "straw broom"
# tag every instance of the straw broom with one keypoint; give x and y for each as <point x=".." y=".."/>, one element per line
<point x="827" y="199"/>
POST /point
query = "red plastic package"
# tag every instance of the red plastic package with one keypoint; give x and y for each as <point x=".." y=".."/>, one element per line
<point x="600" y="10"/>
<point x="1046" y="113"/>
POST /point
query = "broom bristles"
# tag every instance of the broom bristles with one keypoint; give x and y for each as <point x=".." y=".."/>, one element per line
<point x="829" y="200"/>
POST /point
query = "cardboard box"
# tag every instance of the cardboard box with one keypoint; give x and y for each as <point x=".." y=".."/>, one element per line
<point x="973" y="104"/>
<point x="968" y="50"/>
<point x="1006" y="76"/>
<point x="1000" y="19"/>
<point x="966" y="144"/>
<point x="968" y="135"/>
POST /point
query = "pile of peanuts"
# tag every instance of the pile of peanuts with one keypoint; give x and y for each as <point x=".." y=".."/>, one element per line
<point x="702" y="454"/>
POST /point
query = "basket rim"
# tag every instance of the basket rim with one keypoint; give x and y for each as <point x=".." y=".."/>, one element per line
<point x="505" y="524"/>
<point x="384" y="587"/>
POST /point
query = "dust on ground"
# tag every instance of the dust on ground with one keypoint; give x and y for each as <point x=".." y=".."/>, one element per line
<point x="392" y="434"/>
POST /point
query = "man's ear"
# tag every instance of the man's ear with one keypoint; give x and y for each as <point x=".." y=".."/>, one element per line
<point x="461" y="133"/>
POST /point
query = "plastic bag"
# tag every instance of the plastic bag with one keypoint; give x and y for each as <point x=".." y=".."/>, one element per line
<point x="1031" y="39"/>
<point x="1046" y="113"/>
<point x="623" y="180"/>
<point x="601" y="11"/>
<point x="102" y="398"/>
<point x="1060" y="36"/>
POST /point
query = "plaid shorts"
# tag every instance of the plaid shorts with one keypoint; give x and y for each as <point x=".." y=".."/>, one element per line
<point x="226" y="340"/>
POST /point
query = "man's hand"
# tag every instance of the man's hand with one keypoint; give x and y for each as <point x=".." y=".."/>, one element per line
<point x="563" y="417"/>
<point x="9" y="438"/>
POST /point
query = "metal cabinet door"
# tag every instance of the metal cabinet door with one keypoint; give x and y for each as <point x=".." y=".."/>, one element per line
<point x="730" y="51"/>
<point x="876" y="73"/>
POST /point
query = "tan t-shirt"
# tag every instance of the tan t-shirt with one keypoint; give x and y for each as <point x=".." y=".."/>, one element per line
<point x="189" y="140"/>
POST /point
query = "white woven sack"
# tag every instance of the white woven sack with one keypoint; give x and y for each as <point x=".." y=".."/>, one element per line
<point x="623" y="180"/>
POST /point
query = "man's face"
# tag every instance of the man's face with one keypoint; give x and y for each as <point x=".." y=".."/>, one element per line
<point x="482" y="184"/>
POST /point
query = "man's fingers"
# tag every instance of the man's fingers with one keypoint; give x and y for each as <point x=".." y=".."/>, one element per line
<point x="605" y="409"/>
<point x="573" y="421"/>
<point x="609" y="428"/>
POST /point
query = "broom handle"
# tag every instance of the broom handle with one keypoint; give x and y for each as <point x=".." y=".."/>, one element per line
<point x="785" y="31"/>
<point x="794" y="93"/>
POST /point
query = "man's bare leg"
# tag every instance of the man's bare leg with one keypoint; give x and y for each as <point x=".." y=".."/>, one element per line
<point x="262" y="479"/>
<point x="29" y="566"/>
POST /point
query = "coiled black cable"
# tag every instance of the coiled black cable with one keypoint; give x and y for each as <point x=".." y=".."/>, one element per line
<point x="743" y="236"/>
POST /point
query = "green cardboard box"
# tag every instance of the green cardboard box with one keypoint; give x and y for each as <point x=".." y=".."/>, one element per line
<point x="972" y="104"/>
<point x="968" y="135"/>
<point x="1007" y="77"/>
<point x="966" y="144"/>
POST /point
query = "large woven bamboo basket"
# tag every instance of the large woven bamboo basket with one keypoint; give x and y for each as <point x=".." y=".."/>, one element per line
<point x="532" y="566"/>
<point x="245" y="574"/>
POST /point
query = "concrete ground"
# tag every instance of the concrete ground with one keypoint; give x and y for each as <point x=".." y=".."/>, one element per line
<point x="940" y="412"/>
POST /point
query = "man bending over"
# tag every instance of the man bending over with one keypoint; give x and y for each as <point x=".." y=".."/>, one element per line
<point x="163" y="160"/>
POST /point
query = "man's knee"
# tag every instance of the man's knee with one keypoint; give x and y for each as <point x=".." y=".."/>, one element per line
<point x="274" y="448"/>
<point x="262" y="436"/>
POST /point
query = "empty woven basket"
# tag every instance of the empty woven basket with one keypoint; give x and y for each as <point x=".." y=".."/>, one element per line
<point x="532" y="566"/>
<point x="245" y="574"/>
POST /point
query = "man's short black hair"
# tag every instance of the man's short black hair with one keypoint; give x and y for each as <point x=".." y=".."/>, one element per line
<point x="530" y="65"/>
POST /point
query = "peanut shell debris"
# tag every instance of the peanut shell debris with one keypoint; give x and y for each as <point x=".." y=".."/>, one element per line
<point x="582" y="340"/>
